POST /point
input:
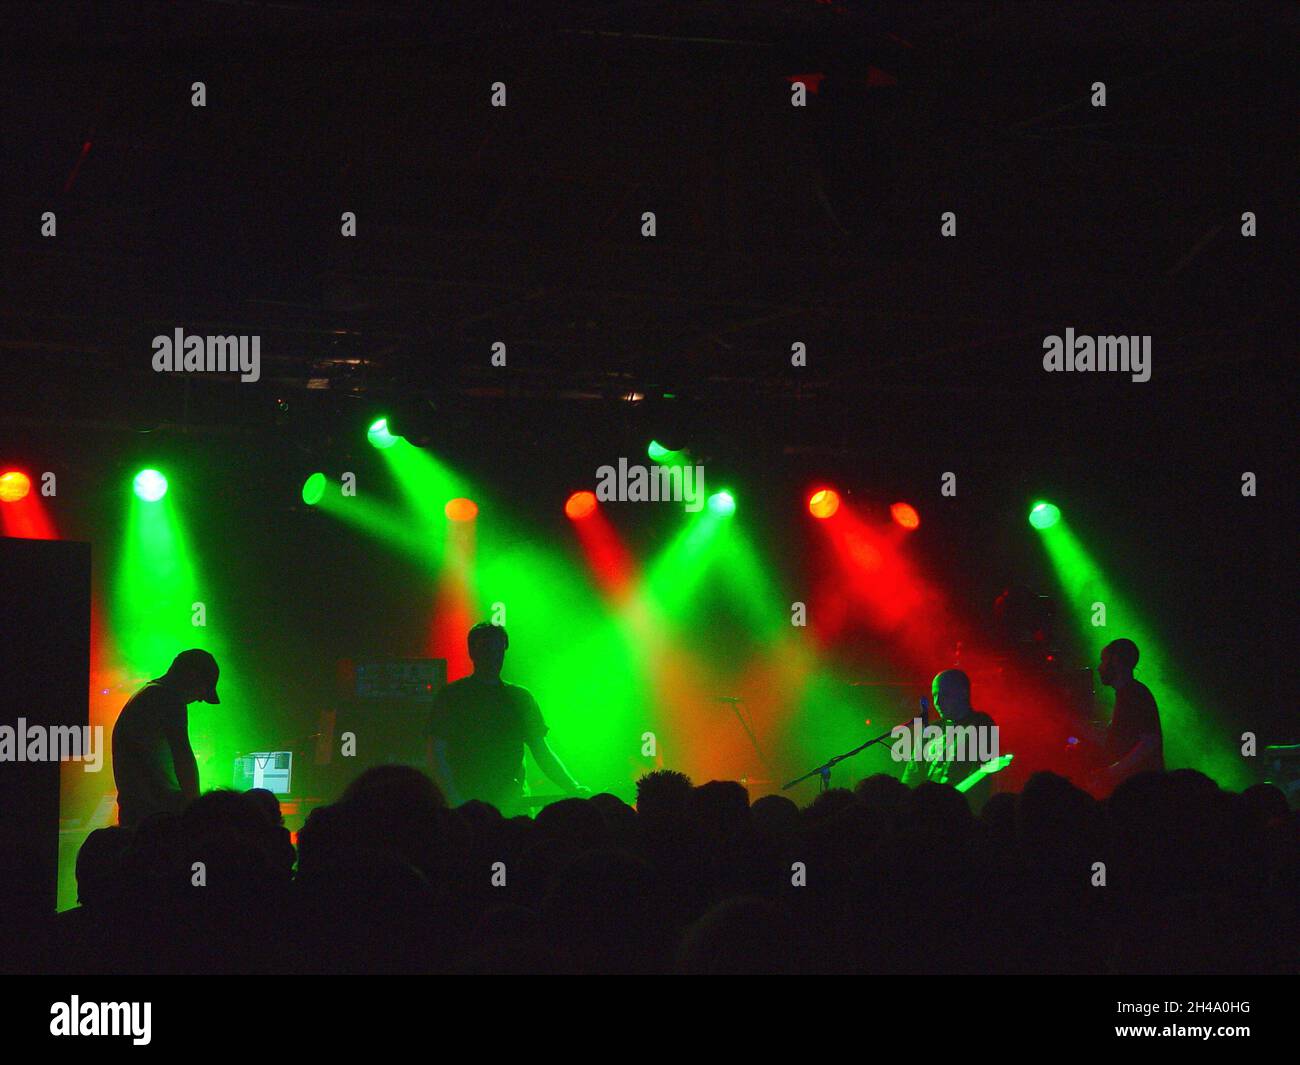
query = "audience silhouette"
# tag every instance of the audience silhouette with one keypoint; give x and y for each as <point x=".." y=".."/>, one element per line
<point x="1169" y="874"/>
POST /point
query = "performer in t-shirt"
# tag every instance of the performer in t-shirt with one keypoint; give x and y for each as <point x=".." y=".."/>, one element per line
<point x="1134" y="743"/>
<point x="942" y="760"/>
<point x="480" y="725"/>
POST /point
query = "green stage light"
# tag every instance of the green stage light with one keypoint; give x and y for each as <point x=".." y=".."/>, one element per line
<point x="150" y="485"/>
<point x="1044" y="515"/>
<point x="666" y="456"/>
<point x="379" y="436"/>
<point x="313" y="489"/>
<point x="722" y="503"/>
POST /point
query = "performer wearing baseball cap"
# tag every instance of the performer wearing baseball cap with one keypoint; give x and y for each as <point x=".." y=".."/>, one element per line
<point x="153" y="763"/>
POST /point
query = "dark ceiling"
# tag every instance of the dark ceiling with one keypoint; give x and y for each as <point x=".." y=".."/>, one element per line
<point x="776" y="224"/>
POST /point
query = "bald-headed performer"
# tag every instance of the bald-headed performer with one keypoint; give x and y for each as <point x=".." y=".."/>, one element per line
<point x="951" y="695"/>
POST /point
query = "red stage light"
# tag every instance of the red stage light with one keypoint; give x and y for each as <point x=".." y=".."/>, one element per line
<point x="580" y="505"/>
<point x="14" y="485"/>
<point x="461" y="510"/>
<point x="823" y="503"/>
<point x="905" y="515"/>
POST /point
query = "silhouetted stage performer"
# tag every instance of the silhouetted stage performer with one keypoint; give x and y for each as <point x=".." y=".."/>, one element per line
<point x="956" y="757"/>
<point x="153" y="764"/>
<point x="480" y="725"/>
<point x="1134" y="741"/>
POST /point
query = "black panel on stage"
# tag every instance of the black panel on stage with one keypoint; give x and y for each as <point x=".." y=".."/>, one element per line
<point x="44" y="680"/>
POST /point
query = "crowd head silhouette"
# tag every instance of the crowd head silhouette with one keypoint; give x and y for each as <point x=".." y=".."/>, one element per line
<point x="1170" y="874"/>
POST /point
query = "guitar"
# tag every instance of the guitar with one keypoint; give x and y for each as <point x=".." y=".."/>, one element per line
<point x="986" y="770"/>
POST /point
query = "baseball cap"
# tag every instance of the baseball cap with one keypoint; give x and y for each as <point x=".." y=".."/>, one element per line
<point x="198" y="665"/>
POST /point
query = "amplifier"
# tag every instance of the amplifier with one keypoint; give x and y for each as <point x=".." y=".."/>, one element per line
<point x="414" y="679"/>
<point x="386" y="716"/>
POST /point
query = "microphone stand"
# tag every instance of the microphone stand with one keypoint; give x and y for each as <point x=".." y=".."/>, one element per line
<point x="824" y="770"/>
<point x="736" y="704"/>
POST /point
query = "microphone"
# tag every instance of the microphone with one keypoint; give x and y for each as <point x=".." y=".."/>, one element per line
<point x="925" y="710"/>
